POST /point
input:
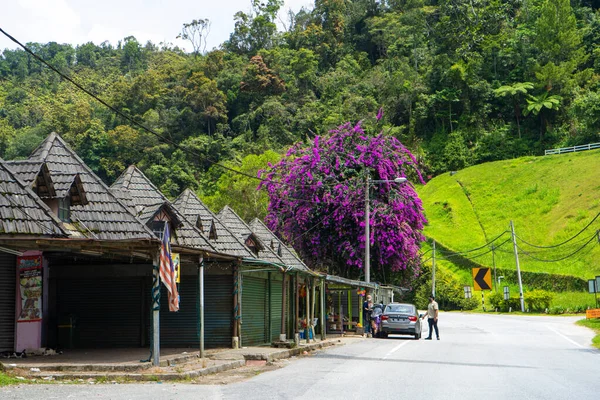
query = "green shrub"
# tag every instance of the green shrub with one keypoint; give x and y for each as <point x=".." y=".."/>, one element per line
<point x="496" y="300"/>
<point x="538" y="300"/>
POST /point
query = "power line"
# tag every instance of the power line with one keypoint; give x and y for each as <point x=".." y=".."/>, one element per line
<point x="593" y="237"/>
<point x="477" y="255"/>
<point x="317" y="224"/>
<point x="562" y="243"/>
<point x="140" y="125"/>
<point x="481" y="247"/>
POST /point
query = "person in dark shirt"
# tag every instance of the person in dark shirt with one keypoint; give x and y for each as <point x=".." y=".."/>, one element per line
<point x="367" y="310"/>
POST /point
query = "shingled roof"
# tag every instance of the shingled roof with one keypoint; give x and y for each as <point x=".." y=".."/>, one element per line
<point x="239" y="228"/>
<point x="103" y="216"/>
<point x="222" y="238"/>
<point x="269" y="238"/>
<point x="145" y="200"/>
<point x="21" y="210"/>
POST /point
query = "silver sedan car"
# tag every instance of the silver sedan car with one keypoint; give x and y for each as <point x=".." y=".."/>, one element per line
<point x="401" y="318"/>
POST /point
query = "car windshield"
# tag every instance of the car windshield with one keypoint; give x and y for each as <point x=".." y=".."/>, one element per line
<point x="400" y="308"/>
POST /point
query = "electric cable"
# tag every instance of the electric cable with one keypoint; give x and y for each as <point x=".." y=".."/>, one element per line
<point x="142" y="126"/>
<point x="562" y="243"/>
<point x="593" y="237"/>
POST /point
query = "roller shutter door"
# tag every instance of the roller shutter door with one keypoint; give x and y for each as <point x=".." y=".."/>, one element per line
<point x="276" y="300"/>
<point x="181" y="329"/>
<point x="218" y="310"/>
<point x="8" y="284"/>
<point x="254" y="311"/>
<point x="107" y="311"/>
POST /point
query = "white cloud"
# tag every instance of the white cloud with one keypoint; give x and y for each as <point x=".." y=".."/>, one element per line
<point x="56" y="19"/>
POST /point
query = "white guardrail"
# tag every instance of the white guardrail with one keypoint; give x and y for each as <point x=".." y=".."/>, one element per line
<point x="573" y="149"/>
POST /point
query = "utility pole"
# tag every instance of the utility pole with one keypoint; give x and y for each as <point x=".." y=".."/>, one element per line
<point x="494" y="265"/>
<point x="367" y="233"/>
<point x="433" y="271"/>
<point x="514" y="239"/>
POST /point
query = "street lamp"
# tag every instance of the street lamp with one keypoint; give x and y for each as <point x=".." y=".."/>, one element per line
<point x="367" y="222"/>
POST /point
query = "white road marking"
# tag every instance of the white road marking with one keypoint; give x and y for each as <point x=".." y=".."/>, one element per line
<point x="392" y="351"/>
<point x="564" y="337"/>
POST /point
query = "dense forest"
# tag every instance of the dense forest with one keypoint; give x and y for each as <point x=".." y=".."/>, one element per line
<point x="461" y="82"/>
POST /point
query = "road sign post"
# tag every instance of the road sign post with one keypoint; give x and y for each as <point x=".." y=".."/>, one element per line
<point x="482" y="280"/>
<point x="593" y="288"/>
<point x="506" y="293"/>
<point x="467" y="290"/>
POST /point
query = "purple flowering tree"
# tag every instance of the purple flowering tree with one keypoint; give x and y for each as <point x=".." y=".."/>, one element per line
<point x="317" y="203"/>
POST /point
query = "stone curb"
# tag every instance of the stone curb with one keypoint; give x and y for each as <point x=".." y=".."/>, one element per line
<point x="150" y="377"/>
<point x="112" y="371"/>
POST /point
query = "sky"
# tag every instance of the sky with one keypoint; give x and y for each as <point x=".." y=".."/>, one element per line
<point x="82" y="21"/>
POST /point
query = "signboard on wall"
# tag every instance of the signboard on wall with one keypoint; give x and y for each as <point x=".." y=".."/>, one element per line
<point x="30" y="283"/>
<point x="177" y="265"/>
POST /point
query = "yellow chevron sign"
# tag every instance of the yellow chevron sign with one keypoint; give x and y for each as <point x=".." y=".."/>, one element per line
<point x="482" y="278"/>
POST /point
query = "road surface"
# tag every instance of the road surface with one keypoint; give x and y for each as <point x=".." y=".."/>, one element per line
<point x="478" y="357"/>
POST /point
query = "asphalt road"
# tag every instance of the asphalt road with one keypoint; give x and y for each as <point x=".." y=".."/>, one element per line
<point x="478" y="357"/>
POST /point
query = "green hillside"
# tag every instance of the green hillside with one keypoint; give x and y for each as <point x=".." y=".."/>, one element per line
<point x="550" y="199"/>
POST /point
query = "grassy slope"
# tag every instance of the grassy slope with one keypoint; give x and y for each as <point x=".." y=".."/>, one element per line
<point x="549" y="199"/>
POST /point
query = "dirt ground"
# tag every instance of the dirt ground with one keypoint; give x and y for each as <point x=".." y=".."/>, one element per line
<point x="243" y="373"/>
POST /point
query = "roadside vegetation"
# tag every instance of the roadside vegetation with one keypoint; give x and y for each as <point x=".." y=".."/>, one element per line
<point x="6" y="379"/>
<point x="595" y="325"/>
<point x="550" y="199"/>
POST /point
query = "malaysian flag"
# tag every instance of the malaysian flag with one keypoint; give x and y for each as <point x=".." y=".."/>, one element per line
<point x="167" y="270"/>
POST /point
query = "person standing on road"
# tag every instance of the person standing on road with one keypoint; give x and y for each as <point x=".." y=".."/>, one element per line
<point x="367" y="309"/>
<point x="432" y="317"/>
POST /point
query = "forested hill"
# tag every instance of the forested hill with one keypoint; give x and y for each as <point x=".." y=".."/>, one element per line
<point x="461" y="82"/>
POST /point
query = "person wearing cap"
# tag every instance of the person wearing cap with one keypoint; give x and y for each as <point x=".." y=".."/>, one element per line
<point x="432" y="318"/>
<point x="367" y="309"/>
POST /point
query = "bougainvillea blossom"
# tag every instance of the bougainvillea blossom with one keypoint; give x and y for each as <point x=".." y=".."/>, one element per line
<point x="317" y="202"/>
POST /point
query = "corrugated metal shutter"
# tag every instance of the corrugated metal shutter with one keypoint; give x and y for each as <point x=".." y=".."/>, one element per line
<point x="180" y="329"/>
<point x="254" y="311"/>
<point x="8" y="282"/>
<point x="107" y="311"/>
<point x="218" y="310"/>
<point x="276" y="304"/>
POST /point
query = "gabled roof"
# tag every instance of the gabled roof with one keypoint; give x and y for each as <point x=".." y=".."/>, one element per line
<point x="104" y="216"/>
<point x="268" y="237"/>
<point x="21" y="210"/>
<point x="239" y="228"/>
<point x="193" y="208"/>
<point x="145" y="200"/>
<point x="36" y="174"/>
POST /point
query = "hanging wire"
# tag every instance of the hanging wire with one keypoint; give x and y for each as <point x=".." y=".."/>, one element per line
<point x="562" y="243"/>
<point x="593" y="237"/>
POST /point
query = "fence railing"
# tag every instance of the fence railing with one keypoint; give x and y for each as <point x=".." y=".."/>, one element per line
<point x="573" y="149"/>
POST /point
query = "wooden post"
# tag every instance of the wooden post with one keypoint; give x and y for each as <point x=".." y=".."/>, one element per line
<point x="312" y="313"/>
<point x="349" y="309"/>
<point x="236" y="275"/>
<point x="297" y="319"/>
<point x="156" y="312"/>
<point x="340" y="316"/>
<point x="360" y="311"/>
<point x="307" y="313"/>
<point x="240" y="309"/>
<point x="323" y="326"/>
<point x="201" y="300"/>
<point x="270" y="303"/>
<point x="282" y="333"/>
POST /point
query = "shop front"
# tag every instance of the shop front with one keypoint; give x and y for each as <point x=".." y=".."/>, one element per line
<point x="8" y="282"/>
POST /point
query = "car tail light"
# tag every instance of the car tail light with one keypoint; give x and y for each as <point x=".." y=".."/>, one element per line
<point x="384" y="317"/>
<point x="412" y="318"/>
